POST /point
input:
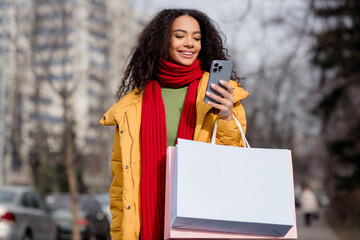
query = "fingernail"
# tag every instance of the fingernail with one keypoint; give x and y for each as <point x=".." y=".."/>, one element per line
<point x="213" y="85"/>
<point x="222" y="81"/>
<point x="207" y="93"/>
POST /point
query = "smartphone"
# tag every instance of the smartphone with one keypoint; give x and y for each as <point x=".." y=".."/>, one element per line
<point x="219" y="70"/>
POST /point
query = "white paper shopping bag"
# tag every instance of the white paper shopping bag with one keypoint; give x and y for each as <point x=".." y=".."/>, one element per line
<point x="232" y="190"/>
<point x="181" y="233"/>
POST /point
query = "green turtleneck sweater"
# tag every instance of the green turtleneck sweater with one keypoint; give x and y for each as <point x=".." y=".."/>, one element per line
<point x="173" y="99"/>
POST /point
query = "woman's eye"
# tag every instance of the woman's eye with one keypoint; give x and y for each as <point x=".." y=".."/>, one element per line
<point x="197" y="39"/>
<point x="179" y="36"/>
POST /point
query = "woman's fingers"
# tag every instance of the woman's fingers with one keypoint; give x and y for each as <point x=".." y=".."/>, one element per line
<point x="225" y="103"/>
<point x="229" y="89"/>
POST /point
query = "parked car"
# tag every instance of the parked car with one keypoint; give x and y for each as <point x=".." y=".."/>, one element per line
<point x="92" y="222"/>
<point x="23" y="215"/>
<point x="104" y="201"/>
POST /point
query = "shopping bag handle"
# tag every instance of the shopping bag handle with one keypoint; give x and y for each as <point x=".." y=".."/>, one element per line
<point x="246" y="143"/>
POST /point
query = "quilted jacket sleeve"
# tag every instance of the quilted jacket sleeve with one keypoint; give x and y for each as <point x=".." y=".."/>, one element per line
<point x="228" y="132"/>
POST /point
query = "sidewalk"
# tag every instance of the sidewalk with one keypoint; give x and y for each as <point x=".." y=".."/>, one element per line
<point x="317" y="231"/>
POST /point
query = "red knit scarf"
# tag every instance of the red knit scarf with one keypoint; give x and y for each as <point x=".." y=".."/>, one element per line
<point x="153" y="140"/>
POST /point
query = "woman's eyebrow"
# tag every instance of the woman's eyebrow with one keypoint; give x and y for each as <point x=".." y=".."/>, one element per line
<point x="182" y="30"/>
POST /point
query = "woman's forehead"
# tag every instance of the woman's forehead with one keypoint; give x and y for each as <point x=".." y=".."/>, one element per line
<point x="187" y="23"/>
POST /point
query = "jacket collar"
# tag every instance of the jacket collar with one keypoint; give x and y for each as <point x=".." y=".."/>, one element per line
<point x="131" y="100"/>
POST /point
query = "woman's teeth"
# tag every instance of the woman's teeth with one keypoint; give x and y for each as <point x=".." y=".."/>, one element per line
<point x="187" y="53"/>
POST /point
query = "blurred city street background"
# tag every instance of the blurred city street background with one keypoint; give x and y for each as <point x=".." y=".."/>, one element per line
<point x="318" y="231"/>
<point x="61" y="62"/>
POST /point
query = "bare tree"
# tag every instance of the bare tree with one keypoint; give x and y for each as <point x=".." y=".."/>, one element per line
<point x="41" y="136"/>
<point x="64" y="89"/>
<point x="58" y="29"/>
<point x="279" y="78"/>
<point x="41" y="69"/>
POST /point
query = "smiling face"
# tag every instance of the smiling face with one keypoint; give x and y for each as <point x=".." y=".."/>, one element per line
<point x="185" y="40"/>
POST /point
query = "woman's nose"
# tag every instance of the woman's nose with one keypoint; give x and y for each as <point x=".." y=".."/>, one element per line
<point x="189" y="42"/>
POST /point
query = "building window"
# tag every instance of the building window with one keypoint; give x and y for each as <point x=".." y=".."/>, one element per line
<point x="97" y="49"/>
<point x="54" y="46"/>
<point x="47" y="119"/>
<point x="55" y="31"/>
<point x="97" y="34"/>
<point x="57" y="77"/>
<point x="95" y="79"/>
<point x="5" y="35"/>
<point x="5" y="4"/>
<point x="100" y="66"/>
<point x="94" y="94"/>
<point x="97" y="19"/>
<point x="55" y="15"/>
<point x="98" y="4"/>
<point x="54" y="62"/>
<point x="45" y="101"/>
<point x="54" y="2"/>
<point x="4" y="50"/>
<point x="4" y="20"/>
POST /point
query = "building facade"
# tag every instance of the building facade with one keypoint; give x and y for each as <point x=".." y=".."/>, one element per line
<point x="63" y="59"/>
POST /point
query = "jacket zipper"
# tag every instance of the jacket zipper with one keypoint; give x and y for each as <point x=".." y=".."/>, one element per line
<point x="131" y="158"/>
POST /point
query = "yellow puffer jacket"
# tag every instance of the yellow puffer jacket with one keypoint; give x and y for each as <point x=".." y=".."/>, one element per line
<point x="125" y="159"/>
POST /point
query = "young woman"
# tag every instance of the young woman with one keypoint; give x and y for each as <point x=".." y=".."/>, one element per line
<point x="165" y="83"/>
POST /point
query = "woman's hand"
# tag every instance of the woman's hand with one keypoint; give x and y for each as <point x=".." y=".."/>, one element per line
<point x="226" y="102"/>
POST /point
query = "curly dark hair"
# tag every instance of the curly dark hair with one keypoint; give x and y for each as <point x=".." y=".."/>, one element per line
<point x="153" y="43"/>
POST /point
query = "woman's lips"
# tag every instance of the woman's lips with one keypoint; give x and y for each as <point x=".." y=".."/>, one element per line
<point x="186" y="54"/>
